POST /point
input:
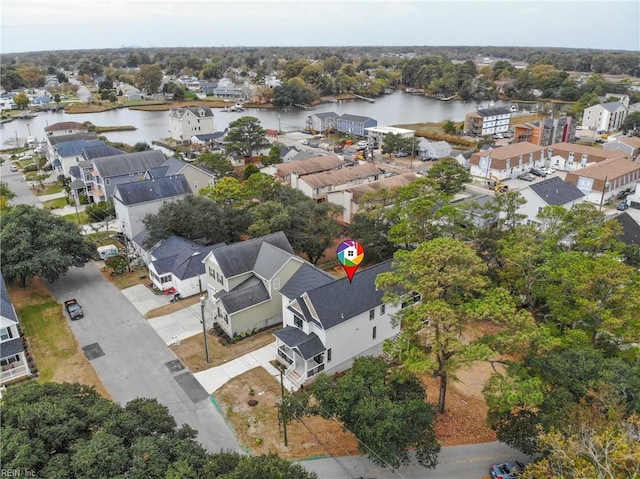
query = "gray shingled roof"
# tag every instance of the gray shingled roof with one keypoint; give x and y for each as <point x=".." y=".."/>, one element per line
<point x="248" y="293"/>
<point x="340" y="300"/>
<point x="492" y="111"/>
<point x="556" y="191"/>
<point x="120" y="165"/>
<point x="75" y="147"/>
<point x="269" y="260"/>
<point x="83" y="135"/>
<point x="612" y="106"/>
<point x="153" y="190"/>
<point x="308" y="345"/>
<point x="326" y="114"/>
<point x="91" y="152"/>
<point x="12" y="347"/>
<point x="241" y="257"/>
<point x="6" y="306"/>
<point x="307" y="277"/>
<point x="199" y="111"/>
<point x="354" y="118"/>
<point x="181" y="257"/>
<point x="630" y="229"/>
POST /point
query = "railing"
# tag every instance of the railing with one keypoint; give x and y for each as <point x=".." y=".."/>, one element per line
<point x="284" y="356"/>
<point x="316" y="370"/>
<point x="14" y="372"/>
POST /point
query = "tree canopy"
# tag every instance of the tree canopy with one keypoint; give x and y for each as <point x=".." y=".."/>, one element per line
<point x="386" y="411"/>
<point x="245" y="136"/>
<point x="69" y="431"/>
<point x="35" y="242"/>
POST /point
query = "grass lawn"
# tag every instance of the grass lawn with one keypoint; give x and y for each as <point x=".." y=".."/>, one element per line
<point x="84" y="218"/>
<point x="56" y="351"/>
<point x="52" y="189"/>
<point x="191" y="350"/>
<point x="55" y="203"/>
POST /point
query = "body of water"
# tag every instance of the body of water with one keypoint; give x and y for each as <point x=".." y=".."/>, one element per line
<point x="397" y="108"/>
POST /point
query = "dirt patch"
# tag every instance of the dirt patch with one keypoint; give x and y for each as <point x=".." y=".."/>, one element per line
<point x="257" y="427"/>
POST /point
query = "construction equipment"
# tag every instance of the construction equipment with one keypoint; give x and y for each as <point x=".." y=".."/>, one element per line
<point x="496" y="185"/>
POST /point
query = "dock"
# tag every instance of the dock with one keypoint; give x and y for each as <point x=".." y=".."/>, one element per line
<point x="370" y="100"/>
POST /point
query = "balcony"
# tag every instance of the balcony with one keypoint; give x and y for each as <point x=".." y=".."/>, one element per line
<point x="13" y="371"/>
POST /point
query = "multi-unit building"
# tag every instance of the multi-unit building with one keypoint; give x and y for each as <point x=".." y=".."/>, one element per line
<point x="318" y="185"/>
<point x="546" y="132"/>
<point x="354" y="125"/>
<point x="321" y="122"/>
<point x="487" y="121"/>
<point x="606" y="116"/>
<point x="506" y="161"/>
<point x="572" y="156"/>
<point x="604" y="181"/>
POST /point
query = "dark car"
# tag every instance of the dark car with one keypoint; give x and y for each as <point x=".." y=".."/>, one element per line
<point x="538" y="172"/>
<point x="507" y="470"/>
<point x="526" y="177"/>
<point x="622" y="206"/>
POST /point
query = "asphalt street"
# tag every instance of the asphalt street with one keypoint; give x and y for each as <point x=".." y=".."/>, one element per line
<point x="133" y="361"/>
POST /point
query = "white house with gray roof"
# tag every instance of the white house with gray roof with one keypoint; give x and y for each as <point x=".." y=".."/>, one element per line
<point x="433" y="150"/>
<point x="185" y="123"/>
<point x="321" y="122"/>
<point x="328" y="322"/>
<point x="177" y="265"/>
<point x="197" y="177"/>
<point x="133" y="201"/>
<point x="551" y="192"/>
<point x="606" y="116"/>
<point x="244" y="280"/>
<point x="13" y="361"/>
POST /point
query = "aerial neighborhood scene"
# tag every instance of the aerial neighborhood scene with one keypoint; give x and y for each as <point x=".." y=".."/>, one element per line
<point x="320" y="240"/>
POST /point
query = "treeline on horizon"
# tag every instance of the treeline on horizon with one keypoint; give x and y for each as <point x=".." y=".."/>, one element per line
<point x="613" y="62"/>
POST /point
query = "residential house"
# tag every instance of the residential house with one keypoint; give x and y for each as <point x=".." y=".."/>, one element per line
<point x="244" y="281"/>
<point x="327" y="326"/>
<point x="13" y="360"/>
<point x="321" y="122"/>
<point x="69" y="153"/>
<point x="318" y="185"/>
<point x="197" y="177"/>
<point x="546" y="132"/>
<point x="487" y="121"/>
<point x="606" y="116"/>
<point x="211" y="140"/>
<point x="208" y="87"/>
<point x="65" y="128"/>
<point x="133" y="201"/>
<point x="316" y="164"/>
<point x="354" y="125"/>
<point x="463" y="157"/>
<point x="630" y="229"/>
<point x="550" y="192"/>
<point x="433" y="150"/>
<point x="351" y="198"/>
<point x="376" y="134"/>
<point x="53" y="141"/>
<point x="604" y="181"/>
<point x="630" y="146"/>
<point x="177" y="264"/>
<point x="185" y="123"/>
<point x="100" y="176"/>
<point x="633" y="199"/>
<point x="506" y="161"/>
<point x="288" y="153"/>
<point x="572" y="156"/>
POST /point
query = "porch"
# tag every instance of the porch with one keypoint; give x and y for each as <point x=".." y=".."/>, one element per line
<point x="302" y="354"/>
<point x="13" y="371"/>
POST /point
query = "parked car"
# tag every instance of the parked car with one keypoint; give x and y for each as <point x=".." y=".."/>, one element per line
<point x="507" y="470"/>
<point x="401" y="154"/>
<point x="526" y="177"/>
<point x="548" y="171"/>
<point x="364" y="143"/>
<point x="14" y="168"/>
<point x="73" y="309"/>
<point x="538" y="172"/>
<point x="622" y="206"/>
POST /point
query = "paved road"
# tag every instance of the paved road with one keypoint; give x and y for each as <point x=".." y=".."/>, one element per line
<point x="456" y="462"/>
<point x="135" y="361"/>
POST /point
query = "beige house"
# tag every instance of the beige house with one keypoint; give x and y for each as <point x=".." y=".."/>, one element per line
<point x="318" y="185"/>
<point x="191" y="121"/>
<point x="283" y="171"/>
<point x="572" y="156"/>
<point x="604" y="181"/>
<point x="350" y="198"/>
<point x="506" y="161"/>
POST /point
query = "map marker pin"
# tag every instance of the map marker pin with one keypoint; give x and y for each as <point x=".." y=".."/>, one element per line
<point x="350" y="254"/>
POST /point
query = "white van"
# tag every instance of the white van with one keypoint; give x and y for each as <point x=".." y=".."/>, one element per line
<point x="107" y="251"/>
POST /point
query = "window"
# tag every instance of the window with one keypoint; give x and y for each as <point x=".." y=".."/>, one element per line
<point x="372" y="314"/>
<point x="212" y="272"/>
<point x="107" y="181"/>
<point x="165" y="279"/>
<point x="9" y="360"/>
<point x="297" y="321"/>
<point x="329" y="355"/>
<point x="5" y="333"/>
<point x="374" y="332"/>
<point x="318" y="359"/>
<point x="383" y="309"/>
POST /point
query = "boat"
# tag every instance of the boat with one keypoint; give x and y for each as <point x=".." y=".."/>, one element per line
<point x="27" y="115"/>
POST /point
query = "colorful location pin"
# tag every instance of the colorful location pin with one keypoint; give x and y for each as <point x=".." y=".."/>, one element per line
<point x="350" y="255"/>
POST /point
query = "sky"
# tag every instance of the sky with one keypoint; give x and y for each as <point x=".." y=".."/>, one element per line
<point x="37" y="25"/>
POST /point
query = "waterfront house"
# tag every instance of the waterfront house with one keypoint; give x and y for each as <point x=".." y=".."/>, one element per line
<point x="487" y="121"/>
<point x="354" y="125"/>
<point x="185" y="123"/>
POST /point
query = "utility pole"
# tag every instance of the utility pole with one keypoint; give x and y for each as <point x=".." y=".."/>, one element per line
<point x="284" y="409"/>
<point x="204" y="327"/>
<point x="604" y="187"/>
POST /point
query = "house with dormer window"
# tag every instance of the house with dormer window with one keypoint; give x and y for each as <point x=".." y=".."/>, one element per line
<point x="185" y="123"/>
<point x="244" y="281"/>
<point x="328" y="322"/>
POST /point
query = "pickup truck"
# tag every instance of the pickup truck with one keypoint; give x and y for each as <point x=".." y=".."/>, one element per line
<point x="73" y="309"/>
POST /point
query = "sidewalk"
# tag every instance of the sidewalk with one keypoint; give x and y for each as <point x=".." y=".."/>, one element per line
<point x="214" y="378"/>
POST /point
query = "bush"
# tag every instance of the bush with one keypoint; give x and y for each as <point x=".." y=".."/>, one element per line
<point x="118" y="265"/>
